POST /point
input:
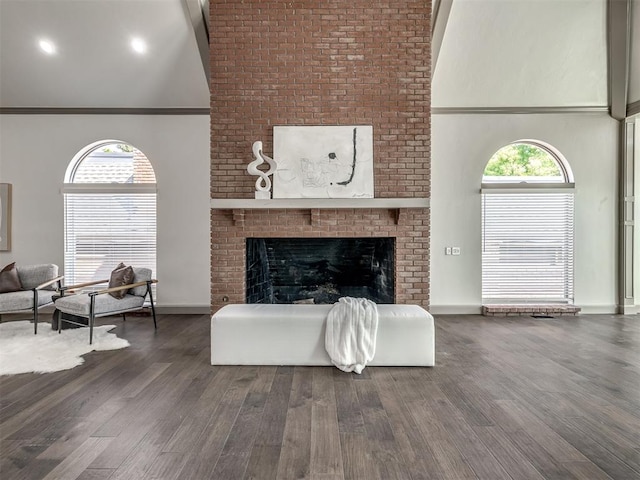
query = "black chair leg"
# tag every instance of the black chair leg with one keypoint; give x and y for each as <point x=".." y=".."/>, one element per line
<point x="153" y="311"/>
<point x="35" y="311"/>
<point x="92" y="316"/>
<point x="153" y="308"/>
<point x="124" y="317"/>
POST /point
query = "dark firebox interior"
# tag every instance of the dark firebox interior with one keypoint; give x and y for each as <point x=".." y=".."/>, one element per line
<point x="319" y="270"/>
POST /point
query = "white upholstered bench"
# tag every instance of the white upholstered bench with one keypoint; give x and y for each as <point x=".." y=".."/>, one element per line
<point x="278" y="334"/>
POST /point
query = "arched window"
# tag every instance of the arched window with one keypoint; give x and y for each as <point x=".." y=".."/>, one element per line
<point x="527" y="225"/>
<point x="110" y="211"/>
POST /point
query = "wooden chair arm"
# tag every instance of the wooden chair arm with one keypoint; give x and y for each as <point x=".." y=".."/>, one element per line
<point x="123" y="287"/>
<point x="50" y="282"/>
<point x="81" y="285"/>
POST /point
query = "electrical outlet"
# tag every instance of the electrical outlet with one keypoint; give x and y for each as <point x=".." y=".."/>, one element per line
<point x="455" y="250"/>
<point x="447" y="250"/>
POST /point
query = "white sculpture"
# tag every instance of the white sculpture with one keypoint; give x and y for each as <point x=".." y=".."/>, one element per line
<point x="263" y="183"/>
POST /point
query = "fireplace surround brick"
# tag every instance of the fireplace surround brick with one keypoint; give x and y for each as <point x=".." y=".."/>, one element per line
<point x="412" y="245"/>
<point x="321" y="63"/>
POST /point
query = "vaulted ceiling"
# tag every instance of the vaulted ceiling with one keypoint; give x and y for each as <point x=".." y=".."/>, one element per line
<point x="94" y="64"/>
<point x="514" y="53"/>
<point x="494" y="53"/>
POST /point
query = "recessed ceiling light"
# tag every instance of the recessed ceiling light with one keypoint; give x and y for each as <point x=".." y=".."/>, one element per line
<point x="138" y="45"/>
<point x="47" y="47"/>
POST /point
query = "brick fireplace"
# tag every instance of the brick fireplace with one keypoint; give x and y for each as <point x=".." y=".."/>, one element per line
<point x="340" y="63"/>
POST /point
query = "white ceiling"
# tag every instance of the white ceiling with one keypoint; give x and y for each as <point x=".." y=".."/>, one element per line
<point x="94" y="65"/>
<point x="495" y="53"/>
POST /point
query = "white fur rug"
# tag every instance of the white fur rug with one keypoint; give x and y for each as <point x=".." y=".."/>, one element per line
<point x="22" y="352"/>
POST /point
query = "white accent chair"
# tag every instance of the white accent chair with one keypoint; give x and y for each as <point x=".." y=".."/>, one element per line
<point x="39" y="283"/>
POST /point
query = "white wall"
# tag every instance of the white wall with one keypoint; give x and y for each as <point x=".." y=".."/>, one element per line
<point x="541" y="53"/>
<point x="35" y="151"/>
<point x="461" y="147"/>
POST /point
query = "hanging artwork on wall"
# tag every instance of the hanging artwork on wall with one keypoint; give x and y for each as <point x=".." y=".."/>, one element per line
<point x="323" y="161"/>
<point x="5" y="216"/>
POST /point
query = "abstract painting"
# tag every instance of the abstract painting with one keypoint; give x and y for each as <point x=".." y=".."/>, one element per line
<point x="5" y="216"/>
<point x="323" y="161"/>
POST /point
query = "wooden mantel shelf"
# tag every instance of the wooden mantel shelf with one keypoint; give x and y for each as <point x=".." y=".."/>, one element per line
<point x="316" y="205"/>
<point x="322" y="203"/>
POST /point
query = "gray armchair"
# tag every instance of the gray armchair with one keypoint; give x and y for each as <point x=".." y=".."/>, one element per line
<point x="99" y="303"/>
<point x="39" y="283"/>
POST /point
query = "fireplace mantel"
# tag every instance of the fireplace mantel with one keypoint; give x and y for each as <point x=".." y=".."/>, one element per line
<point x="315" y="205"/>
<point x="304" y="203"/>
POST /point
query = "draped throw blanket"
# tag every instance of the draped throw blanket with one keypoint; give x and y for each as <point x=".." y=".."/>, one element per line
<point x="350" y="338"/>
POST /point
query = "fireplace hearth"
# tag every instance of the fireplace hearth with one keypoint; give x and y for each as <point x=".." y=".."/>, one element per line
<point x="319" y="270"/>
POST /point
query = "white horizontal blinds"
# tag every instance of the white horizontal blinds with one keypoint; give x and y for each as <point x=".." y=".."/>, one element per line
<point x="106" y="228"/>
<point x="110" y="213"/>
<point x="527" y="250"/>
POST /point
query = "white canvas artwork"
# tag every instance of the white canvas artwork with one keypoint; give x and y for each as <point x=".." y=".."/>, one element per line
<point x="323" y="161"/>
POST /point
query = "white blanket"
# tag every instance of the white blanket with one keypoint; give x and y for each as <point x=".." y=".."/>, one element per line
<point x="350" y="338"/>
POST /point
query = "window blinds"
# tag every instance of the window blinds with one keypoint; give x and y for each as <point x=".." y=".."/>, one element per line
<point x="527" y="246"/>
<point x="106" y="225"/>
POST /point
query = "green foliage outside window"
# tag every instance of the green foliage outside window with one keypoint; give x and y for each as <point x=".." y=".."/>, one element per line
<point x="522" y="160"/>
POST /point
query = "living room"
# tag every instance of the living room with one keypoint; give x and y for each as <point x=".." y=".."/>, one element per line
<point x="441" y="104"/>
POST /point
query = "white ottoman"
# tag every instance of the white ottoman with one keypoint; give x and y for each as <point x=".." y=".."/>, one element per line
<point x="277" y="334"/>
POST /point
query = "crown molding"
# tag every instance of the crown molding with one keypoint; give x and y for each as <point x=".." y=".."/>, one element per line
<point x="518" y="110"/>
<point x="101" y="111"/>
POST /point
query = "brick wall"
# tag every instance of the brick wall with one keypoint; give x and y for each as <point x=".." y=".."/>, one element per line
<point x="321" y="63"/>
<point x="142" y="169"/>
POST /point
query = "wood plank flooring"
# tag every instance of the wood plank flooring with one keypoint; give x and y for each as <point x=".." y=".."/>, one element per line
<point x="510" y="398"/>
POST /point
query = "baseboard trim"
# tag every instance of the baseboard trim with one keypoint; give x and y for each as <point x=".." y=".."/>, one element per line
<point x="455" y="309"/>
<point x="183" y="309"/>
<point x="598" y="309"/>
<point x="628" y="309"/>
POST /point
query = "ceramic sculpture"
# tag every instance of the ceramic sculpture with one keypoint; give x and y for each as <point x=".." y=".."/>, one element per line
<point x="263" y="183"/>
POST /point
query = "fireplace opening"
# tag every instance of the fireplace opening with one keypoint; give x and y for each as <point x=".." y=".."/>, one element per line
<point x="319" y="270"/>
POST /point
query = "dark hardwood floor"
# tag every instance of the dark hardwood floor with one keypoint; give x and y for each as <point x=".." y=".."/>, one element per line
<point x="510" y="398"/>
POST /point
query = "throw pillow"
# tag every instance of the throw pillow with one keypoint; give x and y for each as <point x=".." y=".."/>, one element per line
<point x="9" y="279"/>
<point x="122" y="275"/>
